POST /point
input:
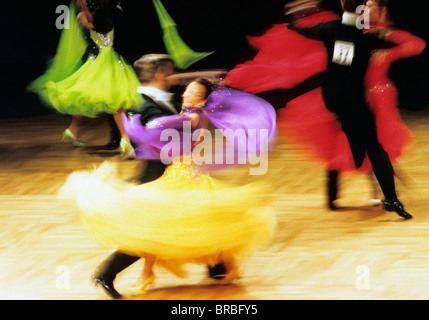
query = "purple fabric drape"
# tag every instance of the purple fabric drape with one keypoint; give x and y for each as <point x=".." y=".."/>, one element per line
<point x="246" y="121"/>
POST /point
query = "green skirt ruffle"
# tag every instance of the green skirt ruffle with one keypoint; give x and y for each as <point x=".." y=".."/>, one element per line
<point x="104" y="85"/>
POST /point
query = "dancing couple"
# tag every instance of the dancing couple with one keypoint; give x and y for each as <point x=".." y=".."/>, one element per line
<point x="185" y="215"/>
<point x="349" y="123"/>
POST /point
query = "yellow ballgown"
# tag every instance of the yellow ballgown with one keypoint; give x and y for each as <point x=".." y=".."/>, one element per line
<point x="185" y="216"/>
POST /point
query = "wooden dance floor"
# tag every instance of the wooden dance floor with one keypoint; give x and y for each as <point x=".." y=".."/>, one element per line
<point x="358" y="252"/>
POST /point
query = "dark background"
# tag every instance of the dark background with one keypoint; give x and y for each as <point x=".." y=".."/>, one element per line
<point x="29" y="39"/>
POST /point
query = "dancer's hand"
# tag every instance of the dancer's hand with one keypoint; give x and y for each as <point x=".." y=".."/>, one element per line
<point x="86" y="20"/>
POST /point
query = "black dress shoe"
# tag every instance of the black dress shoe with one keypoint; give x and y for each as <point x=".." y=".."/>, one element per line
<point x="332" y="206"/>
<point x="217" y="271"/>
<point x="396" y="206"/>
<point x="112" y="145"/>
<point x="107" y="286"/>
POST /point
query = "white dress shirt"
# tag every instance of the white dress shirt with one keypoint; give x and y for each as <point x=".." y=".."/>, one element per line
<point x="162" y="98"/>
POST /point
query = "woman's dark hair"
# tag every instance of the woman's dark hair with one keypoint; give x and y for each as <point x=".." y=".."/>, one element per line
<point x="382" y="3"/>
<point x="207" y="84"/>
<point x="350" y="5"/>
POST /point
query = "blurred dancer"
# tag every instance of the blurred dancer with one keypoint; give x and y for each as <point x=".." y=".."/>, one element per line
<point x="319" y="129"/>
<point x="177" y="218"/>
<point x="153" y="71"/>
<point x="343" y="92"/>
<point x="87" y="76"/>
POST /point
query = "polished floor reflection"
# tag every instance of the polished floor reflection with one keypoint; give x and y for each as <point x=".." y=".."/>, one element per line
<point x="357" y="252"/>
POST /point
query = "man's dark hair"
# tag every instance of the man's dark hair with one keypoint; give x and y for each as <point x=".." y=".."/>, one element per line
<point x="207" y="84"/>
<point x="149" y="64"/>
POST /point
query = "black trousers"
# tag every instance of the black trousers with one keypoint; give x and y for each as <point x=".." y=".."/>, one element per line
<point x="381" y="166"/>
<point x="154" y="169"/>
<point x="115" y="134"/>
<point x="383" y="169"/>
<point x="114" y="264"/>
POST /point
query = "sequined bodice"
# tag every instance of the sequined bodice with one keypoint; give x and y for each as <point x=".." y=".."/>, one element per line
<point x="187" y="173"/>
<point x="102" y="35"/>
<point x="199" y="111"/>
<point x="187" y="110"/>
<point x="97" y="42"/>
<point x="102" y="40"/>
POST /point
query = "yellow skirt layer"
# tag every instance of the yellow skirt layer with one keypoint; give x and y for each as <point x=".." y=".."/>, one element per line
<point x="183" y="217"/>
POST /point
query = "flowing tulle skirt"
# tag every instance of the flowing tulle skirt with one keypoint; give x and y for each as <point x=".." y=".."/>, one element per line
<point x="396" y="138"/>
<point x="284" y="59"/>
<point x="104" y="85"/>
<point x="68" y="58"/>
<point x="183" y="217"/>
<point x="276" y="63"/>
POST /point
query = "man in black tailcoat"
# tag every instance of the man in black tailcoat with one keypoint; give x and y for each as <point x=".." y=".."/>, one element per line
<point x="153" y="72"/>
